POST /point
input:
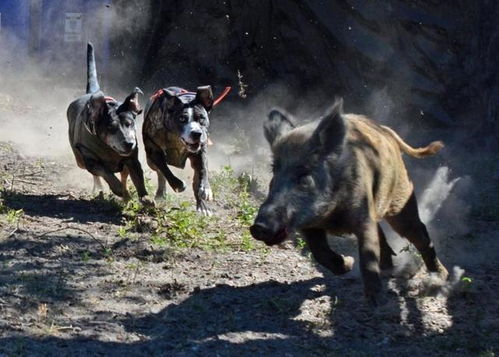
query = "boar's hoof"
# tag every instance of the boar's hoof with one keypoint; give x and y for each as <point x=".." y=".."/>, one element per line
<point x="348" y="263"/>
<point x="442" y="271"/>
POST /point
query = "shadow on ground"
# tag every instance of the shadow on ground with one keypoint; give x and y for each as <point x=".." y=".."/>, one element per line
<point x="263" y="319"/>
<point x="65" y="207"/>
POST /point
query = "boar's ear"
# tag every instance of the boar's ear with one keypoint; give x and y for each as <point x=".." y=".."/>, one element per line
<point x="97" y="108"/>
<point x="276" y="126"/>
<point x="204" y="96"/>
<point x="131" y="103"/>
<point x="329" y="137"/>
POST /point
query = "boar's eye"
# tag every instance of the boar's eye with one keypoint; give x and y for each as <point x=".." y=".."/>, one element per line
<point x="305" y="181"/>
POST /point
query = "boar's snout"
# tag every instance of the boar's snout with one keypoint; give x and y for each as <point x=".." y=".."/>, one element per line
<point x="263" y="231"/>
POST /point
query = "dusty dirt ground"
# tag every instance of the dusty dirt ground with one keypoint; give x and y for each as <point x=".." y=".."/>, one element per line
<point x="70" y="284"/>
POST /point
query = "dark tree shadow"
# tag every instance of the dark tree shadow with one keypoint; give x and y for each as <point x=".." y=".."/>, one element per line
<point x="38" y="274"/>
<point x="60" y="206"/>
<point x="260" y="319"/>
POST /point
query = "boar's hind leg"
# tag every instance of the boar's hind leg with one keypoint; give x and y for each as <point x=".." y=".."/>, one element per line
<point x="325" y="256"/>
<point x="408" y="224"/>
<point x="369" y="251"/>
<point x="386" y="252"/>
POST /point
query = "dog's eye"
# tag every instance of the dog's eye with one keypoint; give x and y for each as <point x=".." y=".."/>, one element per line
<point x="305" y="181"/>
<point x="113" y="126"/>
<point x="183" y="119"/>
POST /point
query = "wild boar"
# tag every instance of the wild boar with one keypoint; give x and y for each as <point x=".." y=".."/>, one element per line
<point x="343" y="174"/>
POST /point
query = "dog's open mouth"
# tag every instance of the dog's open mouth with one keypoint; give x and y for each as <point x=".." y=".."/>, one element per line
<point x="192" y="147"/>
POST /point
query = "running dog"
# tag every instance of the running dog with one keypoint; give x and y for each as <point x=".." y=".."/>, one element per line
<point x="175" y="129"/>
<point x="102" y="135"/>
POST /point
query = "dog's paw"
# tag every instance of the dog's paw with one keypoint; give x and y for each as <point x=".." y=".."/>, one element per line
<point x="205" y="193"/>
<point x="178" y="185"/>
<point x="146" y="201"/>
<point x="203" y="208"/>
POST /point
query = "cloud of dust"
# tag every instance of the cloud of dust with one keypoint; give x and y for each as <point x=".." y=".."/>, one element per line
<point x="37" y="88"/>
<point x="435" y="194"/>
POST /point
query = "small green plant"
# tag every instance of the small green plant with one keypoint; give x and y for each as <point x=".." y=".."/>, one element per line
<point x="467" y="280"/>
<point x="14" y="216"/>
<point x="247" y="211"/>
<point x="123" y="231"/>
<point x="466" y="284"/>
<point x="223" y="180"/>
<point x="247" y="241"/>
<point x="159" y="241"/>
<point x="184" y="227"/>
<point x="85" y="256"/>
<point x="301" y="243"/>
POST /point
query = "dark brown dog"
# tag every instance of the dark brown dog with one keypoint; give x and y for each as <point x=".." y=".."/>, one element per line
<point x="102" y="135"/>
<point x="175" y="129"/>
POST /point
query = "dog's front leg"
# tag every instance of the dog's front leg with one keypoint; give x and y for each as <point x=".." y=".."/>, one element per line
<point x="97" y="169"/>
<point x="156" y="156"/>
<point x="137" y="176"/>
<point x="200" y="183"/>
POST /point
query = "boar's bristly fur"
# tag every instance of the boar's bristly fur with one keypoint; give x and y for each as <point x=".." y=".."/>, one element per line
<point x="343" y="174"/>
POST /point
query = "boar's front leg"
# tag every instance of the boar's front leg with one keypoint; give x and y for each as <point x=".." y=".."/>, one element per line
<point x="325" y="256"/>
<point x="369" y="251"/>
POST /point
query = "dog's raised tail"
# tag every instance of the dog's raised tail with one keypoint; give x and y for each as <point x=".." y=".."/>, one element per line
<point x="430" y="149"/>
<point x="92" y="82"/>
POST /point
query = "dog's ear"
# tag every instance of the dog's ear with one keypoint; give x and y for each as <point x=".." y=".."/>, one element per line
<point x="131" y="103"/>
<point x="276" y="126"/>
<point x="171" y="102"/>
<point x="97" y="108"/>
<point x="204" y="96"/>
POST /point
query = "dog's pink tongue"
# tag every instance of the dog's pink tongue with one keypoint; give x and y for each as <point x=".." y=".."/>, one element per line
<point x="210" y="143"/>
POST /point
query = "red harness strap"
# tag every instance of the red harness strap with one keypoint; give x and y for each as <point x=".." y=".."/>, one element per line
<point x="158" y="93"/>
<point x="221" y="97"/>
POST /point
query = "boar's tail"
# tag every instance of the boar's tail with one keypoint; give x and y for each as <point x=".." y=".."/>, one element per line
<point x="429" y="150"/>
<point x="92" y="82"/>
